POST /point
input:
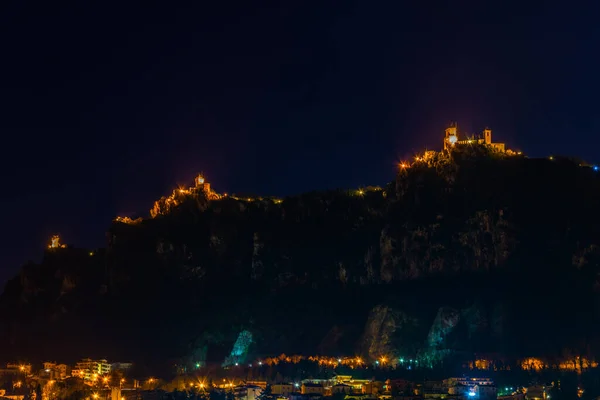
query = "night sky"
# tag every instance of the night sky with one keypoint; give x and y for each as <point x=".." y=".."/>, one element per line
<point x="103" y="110"/>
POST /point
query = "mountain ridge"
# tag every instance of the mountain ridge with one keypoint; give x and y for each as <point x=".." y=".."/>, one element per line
<point x="457" y="255"/>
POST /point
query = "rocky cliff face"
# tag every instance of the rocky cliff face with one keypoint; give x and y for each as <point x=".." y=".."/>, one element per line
<point x="383" y="332"/>
<point x="451" y="257"/>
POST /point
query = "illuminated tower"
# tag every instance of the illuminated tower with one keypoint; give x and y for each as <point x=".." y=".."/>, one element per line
<point x="451" y="136"/>
<point x="55" y="243"/>
<point x="487" y="136"/>
<point x="201" y="183"/>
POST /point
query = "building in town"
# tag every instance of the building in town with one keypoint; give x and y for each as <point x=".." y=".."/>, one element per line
<point x="247" y="392"/>
<point x="55" y="371"/>
<point x="400" y="386"/>
<point x="62" y="371"/>
<point x="474" y="388"/>
<point x="49" y="365"/>
<point x="341" y="388"/>
<point x="18" y="368"/>
<point x="372" y="387"/>
<point x="312" y="388"/>
<point x="89" y="369"/>
<point x="357" y="385"/>
<point x="261" y="384"/>
<point x="282" y="389"/>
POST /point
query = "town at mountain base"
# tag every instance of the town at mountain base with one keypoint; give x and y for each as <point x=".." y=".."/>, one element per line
<point x="470" y="251"/>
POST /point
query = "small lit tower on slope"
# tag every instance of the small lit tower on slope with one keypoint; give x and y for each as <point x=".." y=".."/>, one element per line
<point x="55" y="243"/>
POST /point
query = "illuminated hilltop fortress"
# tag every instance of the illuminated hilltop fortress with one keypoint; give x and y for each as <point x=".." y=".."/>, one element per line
<point x="204" y="186"/>
<point x="201" y="189"/>
<point x="452" y="139"/>
<point x="165" y="204"/>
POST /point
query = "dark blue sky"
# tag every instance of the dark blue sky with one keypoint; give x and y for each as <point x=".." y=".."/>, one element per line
<point x="105" y="109"/>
